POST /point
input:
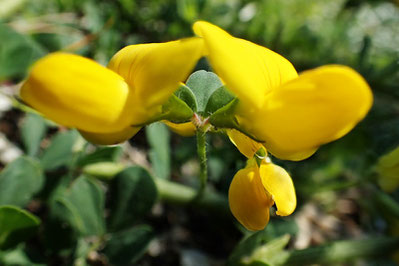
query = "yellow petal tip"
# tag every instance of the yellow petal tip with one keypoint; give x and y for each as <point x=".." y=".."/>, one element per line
<point x="198" y="25"/>
<point x="279" y="184"/>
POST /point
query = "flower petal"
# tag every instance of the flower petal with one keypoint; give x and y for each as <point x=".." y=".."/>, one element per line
<point x="279" y="184"/>
<point x="110" y="138"/>
<point x="78" y="92"/>
<point x="249" y="70"/>
<point x="249" y="202"/>
<point x="155" y="70"/>
<point x="247" y="146"/>
<point x="320" y="106"/>
<point x="184" y="129"/>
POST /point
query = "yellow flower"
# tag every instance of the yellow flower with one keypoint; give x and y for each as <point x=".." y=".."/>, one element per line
<point x="255" y="189"/>
<point x="292" y="115"/>
<point x="109" y="105"/>
<point x="388" y="171"/>
<point x="247" y="146"/>
<point x="184" y="129"/>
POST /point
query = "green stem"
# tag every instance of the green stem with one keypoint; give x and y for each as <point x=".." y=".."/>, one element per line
<point x="179" y="194"/>
<point x="201" y="151"/>
<point x="341" y="251"/>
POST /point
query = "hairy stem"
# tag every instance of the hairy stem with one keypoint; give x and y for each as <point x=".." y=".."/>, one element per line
<point x="201" y="151"/>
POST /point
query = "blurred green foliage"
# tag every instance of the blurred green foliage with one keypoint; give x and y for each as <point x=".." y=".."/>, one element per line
<point x="55" y="211"/>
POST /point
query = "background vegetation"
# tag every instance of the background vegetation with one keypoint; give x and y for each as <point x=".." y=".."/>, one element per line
<point x="66" y="202"/>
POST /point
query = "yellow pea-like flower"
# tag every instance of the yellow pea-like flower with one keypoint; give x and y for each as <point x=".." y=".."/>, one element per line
<point x="292" y="115"/>
<point x="247" y="146"/>
<point x="187" y="129"/>
<point x="279" y="184"/>
<point x="110" y="138"/>
<point x="249" y="70"/>
<point x="77" y="92"/>
<point x="154" y="71"/>
<point x="255" y="189"/>
<point x="318" y="107"/>
<point x="109" y="105"/>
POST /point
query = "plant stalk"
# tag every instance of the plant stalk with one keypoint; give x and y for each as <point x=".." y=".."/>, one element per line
<point x="178" y="194"/>
<point x="341" y="251"/>
<point x="201" y="151"/>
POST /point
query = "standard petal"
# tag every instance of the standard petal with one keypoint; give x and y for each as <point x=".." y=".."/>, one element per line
<point x="110" y="138"/>
<point x="249" y="70"/>
<point x="184" y="129"/>
<point x="77" y="92"/>
<point x="279" y="184"/>
<point x="155" y="70"/>
<point x="249" y="202"/>
<point x="247" y="146"/>
<point x="320" y="106"/>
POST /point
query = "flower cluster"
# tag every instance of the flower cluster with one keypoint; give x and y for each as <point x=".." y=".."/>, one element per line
<point x="273" y="109"/>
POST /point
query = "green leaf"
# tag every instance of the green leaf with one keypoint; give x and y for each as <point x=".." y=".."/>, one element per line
<point x="32" y="132"/>
<point x="58" y="233"/>
<point x="17" y="257"/>
<point x="16" y="225"/>
<point x="217" y="100"/>
<point x="175" y="110"/>
<point x="203" y="84"/>
<point x="103" y="170"/>
<point x="82" y="206"/>
<point x="82" y="251"/>
<point x="225" y="117"/>
<point x="59" y="153"/>
<point x="249" y="245"/>
<point x="101" y="154"/>
<point x="132" y="194"/>
<point x="158" y="137"/>
<point x="19" y="181"/>
<point x="17" y="53"/>
<point x="272" y="253"/>
<point x="336" y="252"/>
<point x="126" y="247"/>
<point x="186" y="95"/>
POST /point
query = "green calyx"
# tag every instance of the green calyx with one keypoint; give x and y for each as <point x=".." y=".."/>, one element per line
<point x="174" y="110"/>
<point x="205" y="101"/>
<point x="209" y="99"/>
